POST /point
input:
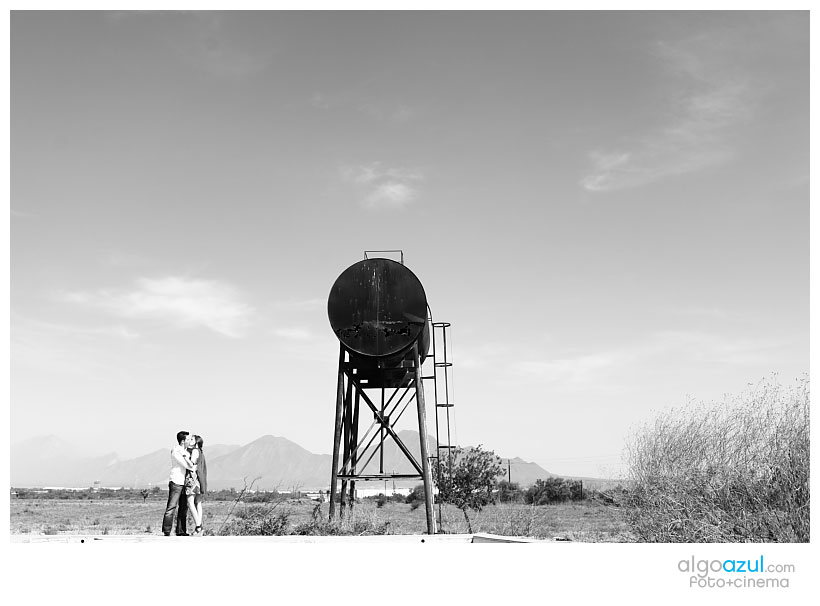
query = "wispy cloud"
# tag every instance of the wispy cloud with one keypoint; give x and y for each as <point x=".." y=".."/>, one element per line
<point x="713" y="348"/>
<point x="693" y="349"/>
<point x="294" y="333"/>
<point x="88" y="351"/>
<point x="124" y="259"/>
<point x="301" y="304"/>
<point x="709" y="100"/>
<point x="381" y="187"/>
<point x="181" y="302"/>
<point x="391" y="112"/>
<point x="576" y="369"/>
<point x="116" y="331"/>
<point x="395" y="114"/>
<point x="206" y="41"/>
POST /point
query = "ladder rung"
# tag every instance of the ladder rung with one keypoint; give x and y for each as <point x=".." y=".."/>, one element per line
<point x="445" y="405"/>
<point x="442" y="364"/>
<point x="429" y="377"/>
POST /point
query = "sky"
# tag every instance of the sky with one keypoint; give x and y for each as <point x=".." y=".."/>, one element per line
<point x="611" y="210"/>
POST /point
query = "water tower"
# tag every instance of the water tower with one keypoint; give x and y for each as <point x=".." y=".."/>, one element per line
<point x="378" y="310"/>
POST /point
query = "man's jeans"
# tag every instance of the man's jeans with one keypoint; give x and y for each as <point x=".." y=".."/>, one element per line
<point x="174" y="501"/>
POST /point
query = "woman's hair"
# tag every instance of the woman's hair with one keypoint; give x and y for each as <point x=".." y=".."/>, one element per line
<point x="199" y="441"/>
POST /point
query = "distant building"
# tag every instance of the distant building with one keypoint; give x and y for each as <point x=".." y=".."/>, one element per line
<point x="362" y="493"/>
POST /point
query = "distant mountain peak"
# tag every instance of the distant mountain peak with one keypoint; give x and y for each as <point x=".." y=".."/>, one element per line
<point x="272" y="462"/>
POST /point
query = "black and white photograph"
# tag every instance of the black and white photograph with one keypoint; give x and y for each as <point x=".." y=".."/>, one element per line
<point x="331" y="284"/>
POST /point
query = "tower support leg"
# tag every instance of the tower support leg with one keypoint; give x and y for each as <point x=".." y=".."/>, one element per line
<point x="425" y="459"/>
<point x="337" y="432"/>
<point x="354" y="439"/>
<point x="347" y="422"/>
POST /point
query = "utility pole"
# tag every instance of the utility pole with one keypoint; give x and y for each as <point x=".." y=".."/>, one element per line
<point x="509" y="472"/>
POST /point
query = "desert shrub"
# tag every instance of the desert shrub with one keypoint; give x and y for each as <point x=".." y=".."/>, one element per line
<point x="510" y="492"/>
<point x="416" y="497"/>
<point x="345" y="527"/>
<point x="551" y="490"/>
<point x="554" y="490"/>
<point x="262" y="497"/>
<point x="723" y="473"/>
<point x="615" y="496"/>
<point x="468" y="479"/>
<point x="257" y="520"/>
<point x="417" y="494"/>
<point x="354" y="522"/>
<point x="382" y="499"/>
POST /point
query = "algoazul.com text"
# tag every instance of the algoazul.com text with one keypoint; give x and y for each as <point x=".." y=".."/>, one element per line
<point x="702" y="571"/>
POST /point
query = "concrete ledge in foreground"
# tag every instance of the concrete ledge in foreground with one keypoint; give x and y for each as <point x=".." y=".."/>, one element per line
<point x="389" y="538"/>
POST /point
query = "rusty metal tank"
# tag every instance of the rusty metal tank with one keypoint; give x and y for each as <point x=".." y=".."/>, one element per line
<point x="378" y="310"/>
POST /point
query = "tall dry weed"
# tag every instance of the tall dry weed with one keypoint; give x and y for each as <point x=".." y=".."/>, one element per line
<point x="736" y="471"/>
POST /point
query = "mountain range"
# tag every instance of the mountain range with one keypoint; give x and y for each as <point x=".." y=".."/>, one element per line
<point x="278" y="463"/>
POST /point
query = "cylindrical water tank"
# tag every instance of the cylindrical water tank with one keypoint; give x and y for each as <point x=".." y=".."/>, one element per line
<point x="378" y="309"/>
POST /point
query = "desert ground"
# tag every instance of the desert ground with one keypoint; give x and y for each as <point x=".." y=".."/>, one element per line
<point x="584" y="521"/>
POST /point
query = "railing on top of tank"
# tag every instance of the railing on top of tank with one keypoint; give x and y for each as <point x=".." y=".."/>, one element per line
<point x="372" y="252"/>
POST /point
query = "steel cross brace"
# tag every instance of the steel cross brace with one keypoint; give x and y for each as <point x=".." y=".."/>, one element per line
<point x="385" y="423"/>
<point x="391" y="415"/>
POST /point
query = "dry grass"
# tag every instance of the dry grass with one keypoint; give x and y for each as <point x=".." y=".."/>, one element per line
<point x="735" y="471"/>
<point x="109" y="516"/>
<point x="585" y="521"/>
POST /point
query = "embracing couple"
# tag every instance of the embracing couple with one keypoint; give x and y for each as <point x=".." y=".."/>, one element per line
<point x="189" y="475"/>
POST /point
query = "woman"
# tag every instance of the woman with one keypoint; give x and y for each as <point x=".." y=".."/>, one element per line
<point x="202" y="476"/>
<point x="192" y="486"/>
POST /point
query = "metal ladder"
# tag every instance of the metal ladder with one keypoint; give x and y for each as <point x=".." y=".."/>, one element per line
<point x="442" y="382"/>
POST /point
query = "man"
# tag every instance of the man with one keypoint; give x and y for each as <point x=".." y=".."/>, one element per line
<point x="180" y="463"/>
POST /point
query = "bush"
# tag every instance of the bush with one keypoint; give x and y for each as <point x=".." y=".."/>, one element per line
<point x="734" y="472"/>
<point x="468" y="479"/>
<point x="257" y="520"/>
<point x="262" y="497"/>
<point x="354" y="523"/>
<point x="553" y="490"/>
<point x="510" y="492"/>
<point x="416" y="498"/>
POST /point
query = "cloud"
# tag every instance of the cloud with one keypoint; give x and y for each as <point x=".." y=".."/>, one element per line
<point x="301" y="305"/>
<point x="181" y="302"/>
<point x="383" y="188"/>
<point x="381" y="111"/>
<point x="713" y="348"/>
<point x="709" y="99"/>
<point x="87" y="351"/>
<point x="686" y="349"/>
<point x="390" y="195"/>
<point x="117" y="331"/>
<point x="575" y="369"/>
<point x="208" y="42"/>
<point x="123" y="259"/>
<point x="395" y="114"/>
<point x="293" y="333"/>
<point x="322" y="101"/>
